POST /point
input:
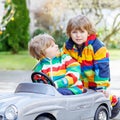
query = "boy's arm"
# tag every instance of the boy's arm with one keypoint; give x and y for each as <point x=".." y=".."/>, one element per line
<point x="101" y="66"/>
<point x="72" y="73"/>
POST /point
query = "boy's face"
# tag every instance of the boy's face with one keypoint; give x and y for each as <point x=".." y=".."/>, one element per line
<point x="79" y="36"/>
<point x="52" y="51"/>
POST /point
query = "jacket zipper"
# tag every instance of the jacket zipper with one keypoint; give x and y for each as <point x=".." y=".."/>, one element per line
<point x="51" y="73"/>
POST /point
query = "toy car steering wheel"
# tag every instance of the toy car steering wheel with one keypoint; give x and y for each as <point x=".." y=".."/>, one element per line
<point x="37" y="76"/>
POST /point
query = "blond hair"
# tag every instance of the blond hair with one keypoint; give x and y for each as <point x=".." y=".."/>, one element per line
<point x="80" y="22"/>
<point x="38" y="44"/>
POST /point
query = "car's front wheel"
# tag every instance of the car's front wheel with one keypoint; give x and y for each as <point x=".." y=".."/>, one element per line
<point x="101" y="113"/>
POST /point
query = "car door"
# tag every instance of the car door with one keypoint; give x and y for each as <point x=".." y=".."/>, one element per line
<point x="79" y="106"/>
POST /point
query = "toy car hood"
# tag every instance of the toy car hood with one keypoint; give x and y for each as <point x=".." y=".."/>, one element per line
<point x="28" y="92"/>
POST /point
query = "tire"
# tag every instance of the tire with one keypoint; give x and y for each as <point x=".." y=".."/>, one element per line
<point x="101" y="113"/>
<point x="42" y="118"/>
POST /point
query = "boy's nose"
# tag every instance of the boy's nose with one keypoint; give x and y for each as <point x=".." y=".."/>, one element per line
<point x="78" y="34"/>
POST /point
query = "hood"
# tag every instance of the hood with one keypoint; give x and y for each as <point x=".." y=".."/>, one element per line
<point x="19" y="99"/>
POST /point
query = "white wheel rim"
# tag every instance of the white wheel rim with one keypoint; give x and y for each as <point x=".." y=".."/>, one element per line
<point x="102" y="116"/>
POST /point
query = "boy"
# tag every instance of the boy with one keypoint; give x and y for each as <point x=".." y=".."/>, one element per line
<point x="62" y="69"/>
<point x="84" y="46"/>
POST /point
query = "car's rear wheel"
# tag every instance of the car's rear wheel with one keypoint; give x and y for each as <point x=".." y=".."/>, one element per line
<point x="101" y="113"/>
<point x="42" y="118"/>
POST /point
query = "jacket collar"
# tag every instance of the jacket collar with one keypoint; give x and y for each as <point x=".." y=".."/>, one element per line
<point x="43" y="58"/>
<point x="71" y="45"/>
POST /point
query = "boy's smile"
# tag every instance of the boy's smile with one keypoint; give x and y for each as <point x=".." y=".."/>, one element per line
<point x="78" y="36"/>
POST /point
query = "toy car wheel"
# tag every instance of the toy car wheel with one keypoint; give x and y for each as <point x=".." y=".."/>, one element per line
<point x="42" y="118"/>
<point x="101" y="113"/>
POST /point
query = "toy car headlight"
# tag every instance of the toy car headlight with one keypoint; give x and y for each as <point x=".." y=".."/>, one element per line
<point x="11" y="112"/>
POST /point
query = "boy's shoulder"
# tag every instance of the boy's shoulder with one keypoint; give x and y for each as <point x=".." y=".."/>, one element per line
<point x="93" y="40"/>
<point x="98" y="41"/>
<point x="37" y="67"/>
<point x="97" y="44"/>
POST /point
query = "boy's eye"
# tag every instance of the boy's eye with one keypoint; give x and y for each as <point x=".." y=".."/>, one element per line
<point x="82" y="31"/>
<point x="52" y="45"/>
<point x="74" y="31"/>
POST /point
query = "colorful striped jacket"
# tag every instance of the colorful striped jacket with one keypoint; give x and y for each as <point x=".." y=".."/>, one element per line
<point x="63" y="70"/>
<point x="94" y="60"/>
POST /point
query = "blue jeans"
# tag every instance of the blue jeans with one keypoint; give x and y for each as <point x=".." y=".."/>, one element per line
<point x="65" y="91"/>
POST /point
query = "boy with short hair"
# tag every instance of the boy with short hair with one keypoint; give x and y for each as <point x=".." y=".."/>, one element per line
<point x="63" y="69"/>
<point x="84" y="46"/>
